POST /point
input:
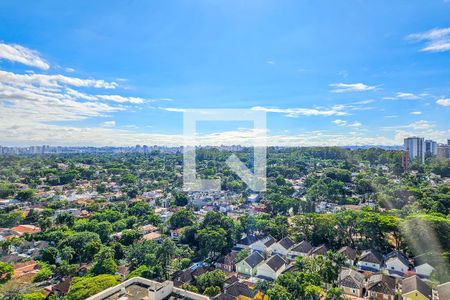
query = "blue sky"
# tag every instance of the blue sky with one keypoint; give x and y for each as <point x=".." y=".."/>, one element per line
<point x="122" y="72"/>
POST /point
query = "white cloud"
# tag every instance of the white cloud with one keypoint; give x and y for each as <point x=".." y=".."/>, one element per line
<point x="20" y="54"/>
<point x="108" y="124"/>
<point x="173" y="109"/>
<point x="436" y="40"/>
<point x="417" y="125"/>
<point x="443" y="101"/>
<point x="69" y="70"/>
<point x="339" y="122"/>
<point x="270" y="62"/>
<point x="122" y="99"/>
<point x="351" y="87"/>
<point x="355" y="124"/>
<point x="415" y="113"/>
<point x="363" y="102"/>
<point x="408" y="96"/>
<point x="52" y="80"/>
<point x="296" y="112"/>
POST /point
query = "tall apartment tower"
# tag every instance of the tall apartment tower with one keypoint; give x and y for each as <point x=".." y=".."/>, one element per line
<point x="416" y="148"/>
<point x="443" y="151"/>
<point x="431" y="147"/>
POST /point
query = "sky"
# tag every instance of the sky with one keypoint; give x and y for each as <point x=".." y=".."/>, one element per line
<point x="123" y="73"/>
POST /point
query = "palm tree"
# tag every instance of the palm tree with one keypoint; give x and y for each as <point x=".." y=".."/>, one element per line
<point x="262" y="287"/>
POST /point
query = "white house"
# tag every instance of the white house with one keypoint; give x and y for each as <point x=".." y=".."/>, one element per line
<point x="370" y="261"/>
<point x="249" y="265"/>
<point x="424" y="270"/>
<point x="396" y="263"/>
<point x="282" y="246"/>
<point x="271" y="268"/>
<point x="263" y="245"/>
<point x="300" y="249"/>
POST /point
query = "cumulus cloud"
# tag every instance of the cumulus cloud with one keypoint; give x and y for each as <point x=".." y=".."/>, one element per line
<point x="436" y="40"/>
<point x="443" y="101"/>
<point x="20" y="54"/>
<point x="351" y="87"/>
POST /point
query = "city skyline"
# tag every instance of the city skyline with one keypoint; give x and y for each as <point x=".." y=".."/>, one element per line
<point x="326" y="75"/>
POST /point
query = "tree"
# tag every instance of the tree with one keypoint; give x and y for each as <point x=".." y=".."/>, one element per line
<point x="83" y="287"/>
<point x="279" y="292"/>
<point x="6" y="190"/>
<point x="104" y="262"/>
<point x="248" y="223"/>
<point x="242" y="254"/>
<point x="6" y="272"/>
<point x="262" y="287"/>
<point x="334" y="294"/>
<point x="44" y="273"/>
<point x="211" y="241"/>
<point x="166" y="252"/>
<point x="50" y="254"/>
<point x="11" y="219"/>
<point x="86" y="245"/>
<point x="67" y="253"/>
<point x="25" y="195"/>
<point x="65" y="218"/>
<point x="142" y="253"/>
<point x="189" y="287"/>
<point x="212" y="291"/>
<point x="129" y="236"/>
<point x="181" y="199"/>
<point x="182" y="218"/>
<point x="214" y="278"/>
<point x="145" y="272"/>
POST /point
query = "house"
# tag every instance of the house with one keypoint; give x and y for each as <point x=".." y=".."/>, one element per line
<point x="246" y="241"/>
<point x="396" y="263"/>
<point x="300" y="249"/>
<point x="282" y="247"/>
<point x="316" y="251"/>
<point x="414" y="288"/>
<point x="239" y="290"/>
<point x="370" y="260"/>
<point x="248" y="265"/>
<point x="349" y="253"/>
<point x="381" y="287"/>
<point x="227" y="262"/>
<point x="263" y="245"/>
<point x="27" y="229"/>
<point x="351" y="282"/>
<point x="62" y="288"/>
<point x="189" y="274"/>
<point x="424" y="270"/>
<point x="272" y="268"/>
<point x="230" y="280"/>
<point x="443" y="291"/>
<point x="152" y="236"/>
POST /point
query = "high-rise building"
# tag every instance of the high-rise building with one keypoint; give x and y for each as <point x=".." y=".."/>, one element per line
<point x="431" y="147"/>
<point x="443" y="151"/>
<point x="416" y="148"/>
<point x="405" y="160"/>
